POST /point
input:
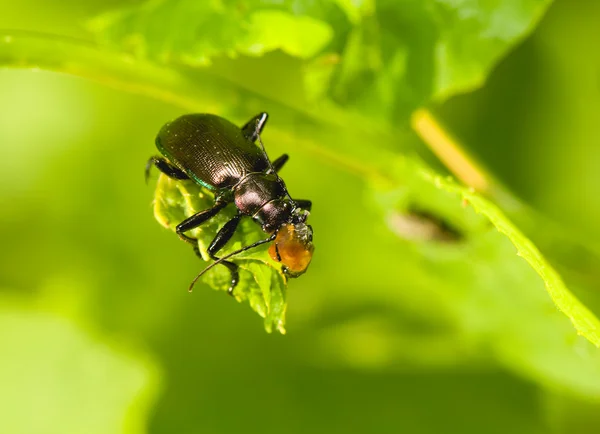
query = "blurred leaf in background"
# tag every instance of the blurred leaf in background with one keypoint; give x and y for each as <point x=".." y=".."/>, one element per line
<point x="389" y="327"/>
<point x="386" y="58"/>
<point x="52" y="367"/>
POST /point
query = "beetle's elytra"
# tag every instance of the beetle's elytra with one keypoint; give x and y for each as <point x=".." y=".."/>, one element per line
<point x="224" y="158"/>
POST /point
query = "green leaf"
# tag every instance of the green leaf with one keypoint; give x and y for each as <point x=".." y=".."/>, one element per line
<point x="415" y="175"/>
<point x="298" y="36"/>
<point x="383" y="59"/>
<point x="492" y="278"/>
<point x="406" y="54"/>
<point x="262" y="282"/>
<point x="57" y="378"/>
<point x="193" y="32"/>
<point x="473" y="36"/>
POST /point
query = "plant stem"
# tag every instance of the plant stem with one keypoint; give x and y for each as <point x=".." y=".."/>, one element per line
<point x="448" y="150"/>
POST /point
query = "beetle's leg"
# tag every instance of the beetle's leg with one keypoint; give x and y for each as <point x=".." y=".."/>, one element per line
<point x="196" y="249"/>
<point x="279" y="162"/>
<point x="165" y="167"/>
<point x="304" y="204"/>
<point x="197" y="219"/>
<point x="222" y="237"/>
<point x="255" y="126"/>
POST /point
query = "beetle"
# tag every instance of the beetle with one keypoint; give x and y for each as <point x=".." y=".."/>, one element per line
<point x="220" y="156"/>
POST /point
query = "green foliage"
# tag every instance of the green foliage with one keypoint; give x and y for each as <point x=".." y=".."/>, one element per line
<point x="262" y="283"/>
<point x="80" y="376"/>
<point x="205" y="29"/>
<point x="477" y="259"/>
<point x="423" y="293"/>
<point x="369" y="64"/>
<point x="383" y="59"/>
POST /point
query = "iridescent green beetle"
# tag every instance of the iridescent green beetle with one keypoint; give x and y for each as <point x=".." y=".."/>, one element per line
<point x="216" y="154"/>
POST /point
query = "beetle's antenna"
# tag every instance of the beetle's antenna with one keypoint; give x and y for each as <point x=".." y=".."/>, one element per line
<point x="262" y="146"/>
<point x="237" y="252"/>
<point x="271" y="168"/>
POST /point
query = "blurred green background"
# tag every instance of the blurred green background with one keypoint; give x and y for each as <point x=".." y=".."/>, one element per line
<point x="99" y="335"/>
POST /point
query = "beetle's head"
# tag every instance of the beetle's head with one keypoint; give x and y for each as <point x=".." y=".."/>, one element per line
<point x="293" y="245"/>
<point x="273" y="214"/>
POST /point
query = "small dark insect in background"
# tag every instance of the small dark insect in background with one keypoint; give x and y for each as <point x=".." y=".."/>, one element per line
<point x="419" y="225"/>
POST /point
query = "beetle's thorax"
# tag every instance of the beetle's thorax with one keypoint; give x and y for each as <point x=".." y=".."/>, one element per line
<point x="264" y="197"/>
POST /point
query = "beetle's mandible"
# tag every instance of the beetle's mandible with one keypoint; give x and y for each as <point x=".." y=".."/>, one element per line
<point x="225" y="159"/>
